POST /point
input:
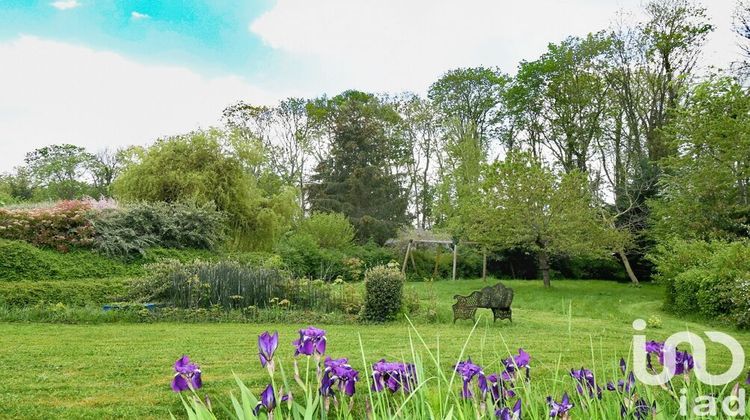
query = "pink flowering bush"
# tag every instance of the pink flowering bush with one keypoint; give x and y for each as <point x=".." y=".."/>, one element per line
<point x="66" y="224"/>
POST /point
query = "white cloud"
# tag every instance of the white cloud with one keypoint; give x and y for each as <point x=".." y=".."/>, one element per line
<point x="65" y="4"/>
<point x="54" y="92"/>
<point x="397" y="45"/>
<point x="137" y="16"/>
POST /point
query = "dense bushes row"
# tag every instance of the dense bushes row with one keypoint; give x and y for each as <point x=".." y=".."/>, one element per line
<point x="66" y="224"/>
<point x="233" y="285"/>
<point x="125" y="231"/>
<point x="22" y="261"/>
<point x="711" y="279"/>
<point x="76" y="292"/>
<point x="130" y="231"/>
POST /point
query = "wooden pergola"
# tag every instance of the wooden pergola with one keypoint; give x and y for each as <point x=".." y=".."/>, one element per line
<point x="454" y="244"/>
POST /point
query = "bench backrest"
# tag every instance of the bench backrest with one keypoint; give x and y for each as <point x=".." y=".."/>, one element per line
<point x="497" y="296"/>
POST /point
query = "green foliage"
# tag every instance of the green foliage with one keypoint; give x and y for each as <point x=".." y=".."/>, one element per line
<point x="129" y="231"/>
<point x="522" y="204"/>
<point x="303" y="257"/>
<point x="64" y="225"/>
<point x="705" y="278"/>
<point x="359" y="177"/>
<point x="69" y="292"/>
<point x="330" y="230"/>
<point x="58" y="171"/>
<point x="22" y="261"/>
<point x="705" y="187"/>
<point x="470" y="101"/>
<point x="384" y="289"/>
<point x="211" y="167"/>
<point x="232" y="285"/>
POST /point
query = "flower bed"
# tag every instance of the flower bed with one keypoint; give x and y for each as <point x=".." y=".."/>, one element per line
<point x="321" y="386"/>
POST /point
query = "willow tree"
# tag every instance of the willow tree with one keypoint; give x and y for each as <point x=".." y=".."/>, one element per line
<point x="211" y="167"/>
<point x="522" y="204"/>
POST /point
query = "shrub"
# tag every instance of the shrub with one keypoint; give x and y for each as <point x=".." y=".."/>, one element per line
<point x="383" y="293"/>
<point x="304" y="258"/>
<point x="232" y="285"/>
<point x="705" y="278"/>
<point x="74" y="292"/>
<point x="330" y="230"/>
<point x="23" y="261"/>
<point x="129" y="231"/>
<point x="63" y="226"/>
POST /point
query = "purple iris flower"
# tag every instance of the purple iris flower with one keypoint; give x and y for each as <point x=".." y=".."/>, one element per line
<point x="585" y="378"/>
<point x="520" y="361"/>
<point x="338" y="371"/>
<point x="468" y="371"/>
<point x="187" y="375"/>
<point x="268" y="400"/>
<point x="495" y="385"/>
<point x="506" y="413"/>
<point x="394" y="376"/>
<point x="311" y="340"/>
<point x="559" y="409"/>
<point x="654" y="347"/>
<point x="267" y="345"/>
<point x="623" y="366"/>
<point x="747" y="381"/>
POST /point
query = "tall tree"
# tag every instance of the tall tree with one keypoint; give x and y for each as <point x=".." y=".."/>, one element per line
<point x="360" y="177"/>
<point x="564" y="97"/>
<point x="284" y="131"/>
<point x="470" y="102"/>
<point x="522" y="204"/>
<point x="60" y="169"/>
<point x="705" y="190"/>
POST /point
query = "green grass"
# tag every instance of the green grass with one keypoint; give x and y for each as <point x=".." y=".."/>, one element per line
<point x="116" y="370"/>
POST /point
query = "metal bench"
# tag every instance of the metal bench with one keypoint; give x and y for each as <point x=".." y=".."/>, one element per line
<point x="498" y="298"/>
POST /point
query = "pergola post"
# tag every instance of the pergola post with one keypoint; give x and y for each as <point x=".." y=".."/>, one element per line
<point x="484" y="266"/>
<point x="455" y="256"/>
<point x="406" y="257"/>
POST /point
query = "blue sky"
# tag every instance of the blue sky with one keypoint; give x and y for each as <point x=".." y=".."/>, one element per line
<point x="209" y="36"/>
<point x="110" y="73"/>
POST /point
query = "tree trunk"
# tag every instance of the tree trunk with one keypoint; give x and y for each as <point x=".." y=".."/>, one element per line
<point x="544" y="267"/>
<point x="628" y="268"/>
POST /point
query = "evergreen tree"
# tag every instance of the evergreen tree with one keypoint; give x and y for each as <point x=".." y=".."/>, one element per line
<point x="363" y="174"/>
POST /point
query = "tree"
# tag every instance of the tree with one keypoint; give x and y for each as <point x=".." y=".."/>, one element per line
<point x="470" y="102"/>
<point x="422" y="130"/>
<point x="105" y="166"/>
<point x="285" y="133"/>
<point x="560" y="99"/>
<point x="741" y="26"/>
<point x="361" y="177"/>
<point x="705" y="189"/>
<point x="203" y="167"/>
<point x="60" y="169"/>
<point x="522" y="204"/>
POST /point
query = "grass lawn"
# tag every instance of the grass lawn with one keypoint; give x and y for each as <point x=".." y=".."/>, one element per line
<point x="116" y="370"/>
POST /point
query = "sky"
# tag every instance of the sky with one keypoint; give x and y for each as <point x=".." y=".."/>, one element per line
<point x="110" y="73"/>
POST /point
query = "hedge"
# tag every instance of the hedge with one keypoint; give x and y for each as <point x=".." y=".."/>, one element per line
<point x="71" y="292"/>
<point x="709" y="279"/>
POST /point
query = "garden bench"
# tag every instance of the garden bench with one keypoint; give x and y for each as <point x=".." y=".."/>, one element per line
<point x="497" y="297"/>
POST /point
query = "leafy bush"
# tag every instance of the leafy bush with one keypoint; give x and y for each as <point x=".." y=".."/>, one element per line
<point x="330" y="230"/>
<point x="303" y="257"/>
<point x="22" y="261"/>
<point x="74" y="292"/>
<point x="129" y="231"/>
<point x="63" y="226"/>
<point x="383" y="293"/>
<point x="705" y="278"/>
